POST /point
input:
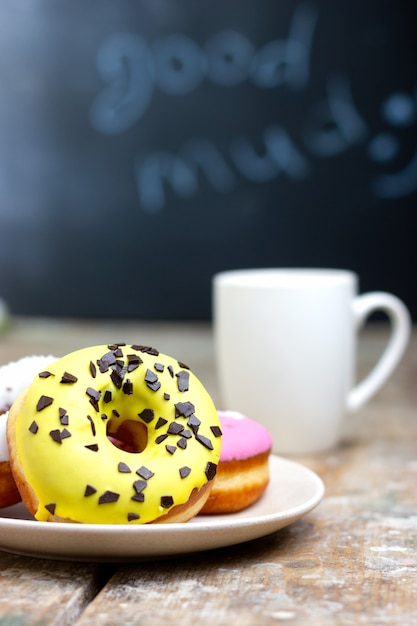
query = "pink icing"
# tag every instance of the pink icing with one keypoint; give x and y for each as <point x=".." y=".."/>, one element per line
<point x="242" y="437"/>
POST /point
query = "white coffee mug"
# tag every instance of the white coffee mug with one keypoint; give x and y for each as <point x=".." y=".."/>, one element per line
<point x="285" y="344"/>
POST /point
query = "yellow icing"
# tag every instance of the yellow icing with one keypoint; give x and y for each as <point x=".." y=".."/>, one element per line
<point x="59" y="472"/>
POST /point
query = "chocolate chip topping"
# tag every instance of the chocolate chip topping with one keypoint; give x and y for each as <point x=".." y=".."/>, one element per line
<point x="58" y="435"/>
<point x="105" y="361"/>
<point x="144" y="472"/>
<point x="204" y="441"/>
<point x="175" y="428"/>
<point x="216" y="430"/>
<point x="171" y="449"/>
<point x="123" y="468"/>
<point x="107" y="396"/>
<point x="194" y="423"/>
<point x="108" y="496"/>
<point x="128" y="388"/>
<point x="43" y="402"/>
<point x="146" y="349"/>
<point x="132" y="516"/>
<point x="89" y="491"/>
<point x="139" y="485"/>
<point x="93" y="426"/>
<point x="183" y="379"/>
<point x="161" y="422"/>
<point x="45" y="374"/>
<point x="93" y="447"/>
<point x="68" y="378"/>
<point x="167" y="502"/>
<point x="34" y="428"/>
<point x="51" y="508"/>
<point x="185" y="471"/>
<point x="184" y="409"/>
<point x="94" y="396"/>
<point x="211" y="470"/>
<point x="93" y="369"/>
<point x="147" y="415"/>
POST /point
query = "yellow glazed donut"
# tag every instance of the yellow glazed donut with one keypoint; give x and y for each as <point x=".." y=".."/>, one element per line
<point x="114" y="434"/>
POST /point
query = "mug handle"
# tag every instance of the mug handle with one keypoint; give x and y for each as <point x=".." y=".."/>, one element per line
<point x="400" y="320"/>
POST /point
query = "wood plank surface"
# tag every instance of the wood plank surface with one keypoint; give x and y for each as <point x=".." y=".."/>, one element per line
<point x="38" y="591"/>
<point x="353" y="560"/>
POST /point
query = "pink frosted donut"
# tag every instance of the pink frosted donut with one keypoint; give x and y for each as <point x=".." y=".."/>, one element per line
<point x="243" y="470"/>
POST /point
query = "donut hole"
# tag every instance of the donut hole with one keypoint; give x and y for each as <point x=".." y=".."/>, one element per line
<point x="130" y="435"/>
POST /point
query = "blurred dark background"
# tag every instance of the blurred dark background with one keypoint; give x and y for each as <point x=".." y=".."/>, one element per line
<point x="147" y="144"/>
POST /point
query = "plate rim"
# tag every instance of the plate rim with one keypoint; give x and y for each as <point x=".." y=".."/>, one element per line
<point x="258" y="524"/>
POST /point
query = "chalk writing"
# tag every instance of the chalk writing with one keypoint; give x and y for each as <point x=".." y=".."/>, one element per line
<point x="133" y="69"/>
<point x="175" y="64"/>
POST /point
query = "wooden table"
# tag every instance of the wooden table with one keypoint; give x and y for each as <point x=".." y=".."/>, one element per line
<point x="353" y="560"/>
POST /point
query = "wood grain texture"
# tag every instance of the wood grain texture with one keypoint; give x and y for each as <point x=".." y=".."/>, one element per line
<point x="37" y="591"/>
<point x="353" y="560"/>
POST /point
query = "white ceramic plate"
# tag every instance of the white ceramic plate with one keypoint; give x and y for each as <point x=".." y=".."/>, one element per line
<point x="292" y="492"/>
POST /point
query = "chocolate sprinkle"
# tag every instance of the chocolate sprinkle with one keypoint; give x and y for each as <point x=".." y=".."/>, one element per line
<point x="108" y="496"/>
<point x="93" y="426"/>
<point x="171" y="449"/>
<point x="34" y="428"/>
<point x="132" y="516"/>
<point x="51" y="508"/>
<point x="184" y="409"/>
<point x="59" y="435"/>
<point x="216" y="430"/>
<point x="161" y="422"/>
<point x="171" y="370"/>
<point x="89" y="491"/>
<point x="185" y="471"/>
<point x="154" y="386"/>
<point x="182" y="443"/>
<point x="123" y="468"/>
<point x="159" y="367"/>
<point x="144" y="472"/>
<point x="181" y="364"/>
<point x="107" y="396"/>
<point x="147" y="415"/>
<point x="138" y="497"/>
<point x="194" y="423"/>
<point x="105" y="361"/>
<point x="139" y="485"/>
<point x="183" y="381"/>
<point x="92" y="446"/>
<point x="45" y="374"/>
<point x="43" y="402"/>
<point x="167" y="502"/>
<point x="175" y="428"/>
<point x="150" y="376"/>
<point x="166" y="396"/>
<point x="146" y="349"/>
<point x="117" y="379"/>
<point x="161" y="438"/>
<point x="94" y="397"/>
<point x="63" y="417"/>
<point x="211" y="470"/>
<point x="68" y="378"/>
<point x="128" y="388"/>
<point x="93" y="369"/>
<point x="204" y="441"/>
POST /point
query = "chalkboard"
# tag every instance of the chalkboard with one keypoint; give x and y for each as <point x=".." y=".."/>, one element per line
<point x="147" y="144"/>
